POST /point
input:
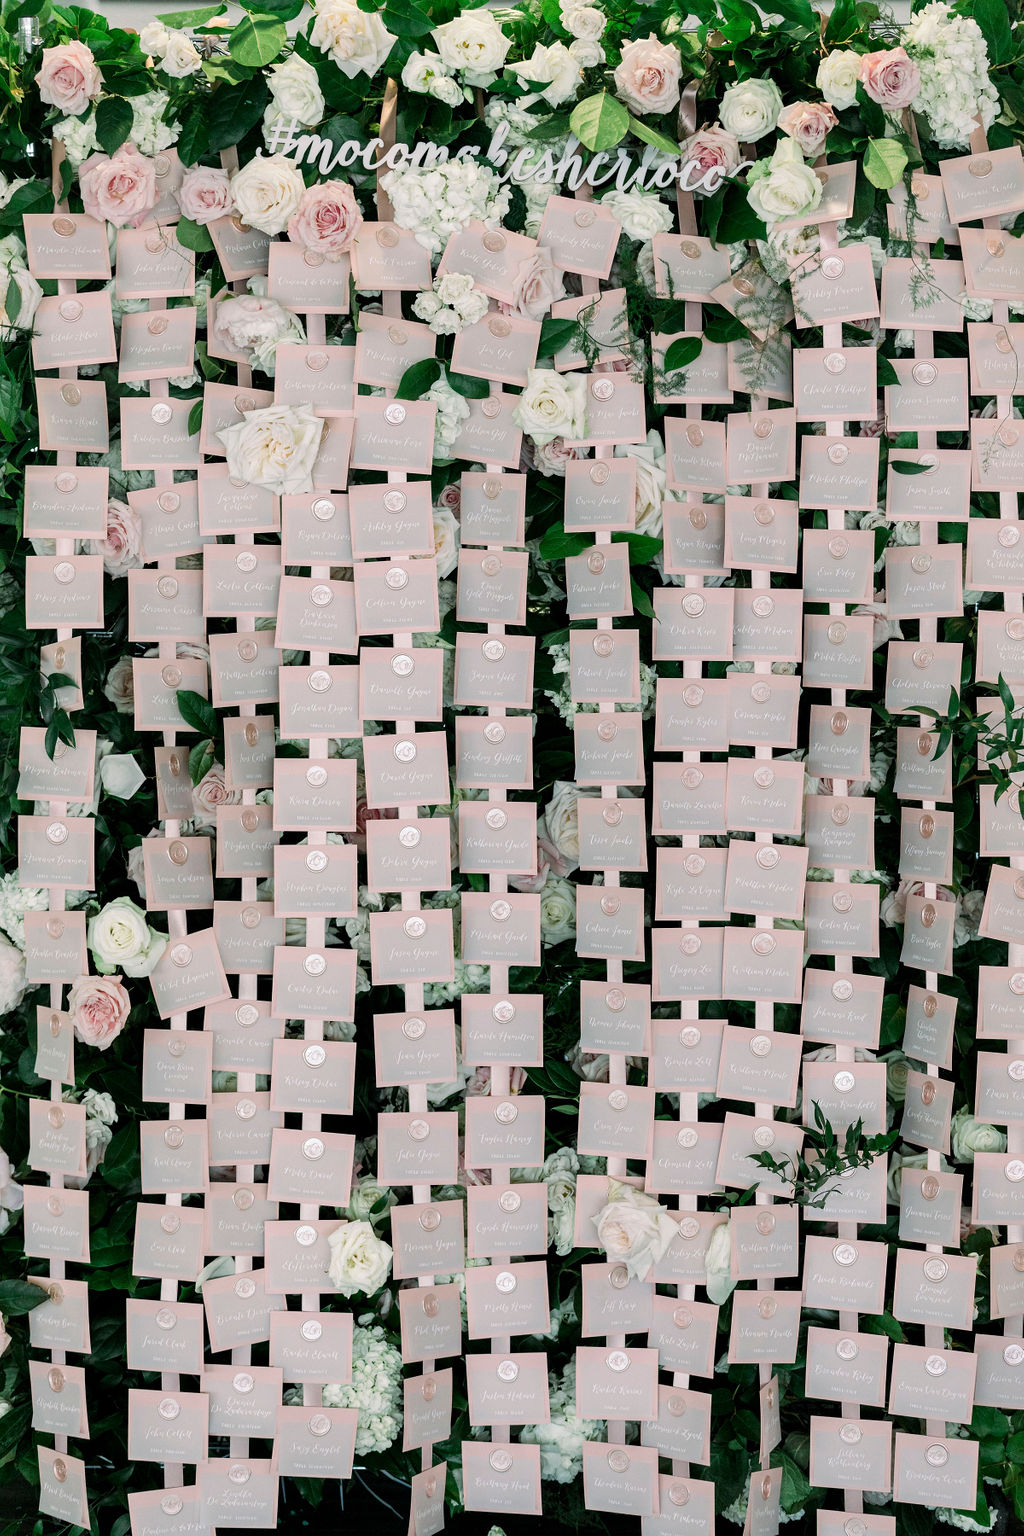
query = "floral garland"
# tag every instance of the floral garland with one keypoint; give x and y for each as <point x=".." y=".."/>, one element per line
<point x="729" y="168"/>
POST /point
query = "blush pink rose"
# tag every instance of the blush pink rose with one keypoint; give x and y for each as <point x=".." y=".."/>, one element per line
<point x="205" y="194"/>
<point x="647" y="77"/>
<point x="327" y="219"/>
<point x="99" y="1007"/>
<point x="890" y="78"/>
<point x="808" y="124"/>
<point x="122" y="547"/>
<point x="120" y="188"/>
<point x="451" y="497"/>
<point x="710" y="150"/>
<point x="69" y="78"/>
<point x="537" y="284"/>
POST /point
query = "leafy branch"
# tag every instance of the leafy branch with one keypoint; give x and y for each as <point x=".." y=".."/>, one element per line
<point x="829" y="1159"/>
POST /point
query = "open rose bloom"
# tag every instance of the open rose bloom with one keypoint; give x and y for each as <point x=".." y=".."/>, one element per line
<point x="69" y="79"/>
<point x="327" y="220"/>
<point x="119" y="188"/>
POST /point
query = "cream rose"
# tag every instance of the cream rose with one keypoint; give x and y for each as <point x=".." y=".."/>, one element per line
<point x="717" y="1264"/>
<point x="356" y="40"/>
<point x="327" y="219"/>
<point x="360" y="1261"/>
<point x="890" y="77"/>
<point x="68" y="78"/>
<point x="558" y="830"/>
<point x="537" y="285"/>
<point x="295" y="91"/>
<point x="153" y="39"/>
<point x="255" y="326"/>
<point x="969" y="1136"/>
<point x="474" y="43"/>
<point x="99" y="1007"/>
<point x="808" y="124"/>
<point x="552" y="405"/>
<point x="837" y="78"/>
<point x="121" y="775"/>
<point x="119" y="188"/>
<point x="205" y="194"/>
<point x="121" y="939"/>
<point x="641" y="214"/>
<point x="119" y="687"/>
<point x="275" y="447"/>
<point x="633" y="1229"/>
<point x="584" y="22"/>
<point x="446" y="539"/>
<point x="267" y="192"/>
<point x="647" y="76"/>
<point x="651" y="477"/>
<point x="750" y="109"/>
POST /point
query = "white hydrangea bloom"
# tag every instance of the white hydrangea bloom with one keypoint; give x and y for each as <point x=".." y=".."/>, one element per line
<point x="375" y="1390"/>
<point x="955" y="85"/>
<point x="561" y="1440"/>
<point x="15" y="901"/>
<point x="433" y="204"/>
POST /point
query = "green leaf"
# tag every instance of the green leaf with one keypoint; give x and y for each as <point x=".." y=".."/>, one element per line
<point x="406" y="20"/>
<point x="194" y="237"/>
<point x="197" y="711"/>
<point x="12" y="303"/>
<point x="909" y="467"/>
<point x="470" y="388"/>
<point x="194" y="140"/>
<point x="738" y="220"/>
<point x="556" y="334"/>
<point x="33" y="197"/>
<point x="652" y="137"/>
<point x="195" y="418"/>
<point x="885" y="160"/>
<point x="200" y="761"/>
<point x="886" y="372"/>
<point x="681" y="352"/>
<point x="599" y="121"/>
<point x="114" y="118"/>
<point x="993" y="18"/>
<point x="20" y="1296"/>
<point x="415" y="381"/>
<point x="197" y="18"/>
<point x="256" y="41"/>
<point x="233" y="111"/>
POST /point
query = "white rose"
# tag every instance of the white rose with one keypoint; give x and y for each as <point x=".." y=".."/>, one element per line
<point x="557" y="910"/>
<point x="267" y="192"/>
<point x="787" y="189"/>
<point x="641" y="214"/>
<point x="29" y="293"/>
<point x="586" y="53"/>
<point x="446" y="540"/>
<point x="121" y="775"/>
<point x="119" y="687"/>
<point x="750" y="109"/>
<point x="561" y="821"/>
<point x="585" y="22"/>
<point x="552" y="405"/>
<point x="367" y="1194"/>
<point x="555" y="70"/>
<point x="360" y="1261"/>
<point x="444" y="88"/>
<point x="275" y="447"/>
<point x="837" y="78"/>
<point x="295" y="89"/>
<point x="633" y="1229"/>
<point x="474" y="43"/>
<point x="154" y="38"/>
<point x="717" y="1260"/>
<point x="968" y="1136"/>
<point x="121" y="939"/>
<point x="12" y="976"/>
<point x="650" y="482"/>
<point x="180" y="57"/>
<point x="356" y="40"/>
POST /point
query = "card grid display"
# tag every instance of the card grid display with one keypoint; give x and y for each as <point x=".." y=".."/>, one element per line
<point x="762" y="833"/>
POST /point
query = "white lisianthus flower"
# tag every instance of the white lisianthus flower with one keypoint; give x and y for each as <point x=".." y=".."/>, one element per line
<point x="121" y="939"/>
<point x="121" y="775"/>
<point x="421" y="70"/>
<point x="750" y="109"/>
<point x="555" y="72"/>
<point x="267" y="192"/>
<point x="717" y="1260"/>
<point x="557" y="910"/>
<point x="295" y="91"/>
<point x="360" y="1260"/>
<point x="474" y="43"/>
<point x="968" y="1136"/>
<point x="786" y="188"/>
<point x="275" y="447"/>
<point x="838" y="76"/>
<point x="552" y="405"/>
<point x="641" y="214"/>
<point x="180" y="58"/>
<point x="356" y="40"/>
<point x="633" y="1229"/>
